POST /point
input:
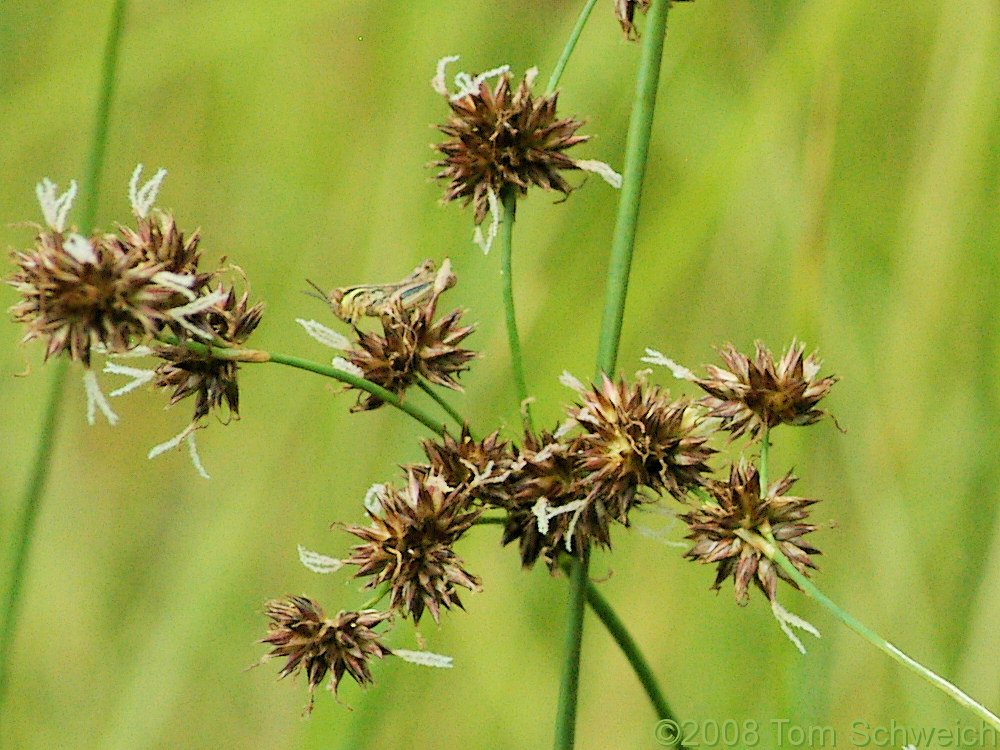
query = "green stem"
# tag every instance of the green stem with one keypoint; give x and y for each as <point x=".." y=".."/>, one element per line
<point x="569" y="684"/>
<point x="636" y="151"/>
<point x="623" y="240"/>
<point x="508" y="199"/>
<point x="765" y="447"/>
<point x="574" y="37"/>
<point x="35" y="487"/>
<point x="774" y="552"/>
<point x="440" y="401"/>
<point x="366" y="385"/>
<point x="607" y="615"/>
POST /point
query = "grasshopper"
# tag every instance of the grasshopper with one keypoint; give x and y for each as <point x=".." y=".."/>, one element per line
<point x="351" y="303"/>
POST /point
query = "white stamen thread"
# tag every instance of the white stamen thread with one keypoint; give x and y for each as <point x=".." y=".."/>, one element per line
<point x="496" y="212"/>
<point x="424" y="658"/>
<point x="325" y="336"/>
<point x="680" y="372"/>
<point x="437" y="82"/>
<point x="186" y="434"/>
<point x="192" y="308"/>
<point x="349" y="367"/>
<point x="96" y="399"/>
<point x="142" y="198"/>
<point x="318" y="563"/>
<point x="571" y="381"/>
<point x="179" y="282"/>
<point x="602" y="170"/>
<point x="373" y="499"/>
<point x="55" y="208"/>
<point x="80" y="249"/>
<point x="140" y="376"/>
<point x="787" y="621"/>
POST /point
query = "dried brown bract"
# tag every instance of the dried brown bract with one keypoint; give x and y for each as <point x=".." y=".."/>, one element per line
<point x="315" y="644"/>
<point x="731" y="531"/>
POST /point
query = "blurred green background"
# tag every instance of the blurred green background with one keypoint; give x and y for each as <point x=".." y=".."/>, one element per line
<point x="821" y="170"/>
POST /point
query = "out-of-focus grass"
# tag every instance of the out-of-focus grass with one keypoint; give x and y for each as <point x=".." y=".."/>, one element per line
<point x="822" y="170"/>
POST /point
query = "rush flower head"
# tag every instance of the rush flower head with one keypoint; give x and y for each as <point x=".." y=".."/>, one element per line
<point x="211" y="379"/>
<point x="413" y="345"/>
<point x="636" y="436"/>
<point x="547" y="510"/>
<point x="481" y="468"/>
<point x="409" y="545"/>
<point x="502" y="137"/>
<point x="759" y="392"/>
<point x="732" y="531"/>
<point x="315" y="644"/>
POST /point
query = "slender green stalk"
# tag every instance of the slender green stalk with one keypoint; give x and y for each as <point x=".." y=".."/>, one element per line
<point x="35" y="487"/>
<point x="574" y="37"/>
<point x="774" y="552"/>
<point x="569" y="684"/>
<point x="366" y="385"/>
<point x="509" y="201"/>
<point x="636" y="151"/>
<point x="765" y="447"/>
<point x="440" y="401"/>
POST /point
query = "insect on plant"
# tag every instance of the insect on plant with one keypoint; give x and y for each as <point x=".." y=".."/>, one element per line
<point x="351" y="303"/>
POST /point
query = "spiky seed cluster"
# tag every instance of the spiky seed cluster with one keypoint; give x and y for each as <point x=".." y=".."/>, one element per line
<point x="731" y="531"/>
<point x="409" y="545"/>
<point x="637" y="436"/>
<point x="480" y="468"/>
<point x="546" y="512"/>
<point x="78" y="292"/>
<point x="317" y="645"/>
<point x="758" y="392"/>
<point x="412" y="345"/>
<point x="210" y="379"/>
<point x="504" y="138"/>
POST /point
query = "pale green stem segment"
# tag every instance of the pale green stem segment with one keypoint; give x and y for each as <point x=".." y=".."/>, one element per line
<point x="623" y="240"/>
<point x="574" y="37"/>
<point x="508" y="199"/>
<point x="440" y="401"/>
<point x="35" y="487"/>
<point x="770" y="548"/>
<point x="378" y="596"/>
<point x="764" y="448"/>
<point x="366" y="385"/>
<point x="878" y="641"/>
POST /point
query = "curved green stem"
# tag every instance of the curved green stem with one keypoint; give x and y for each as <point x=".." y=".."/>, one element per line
<point x="630" y="648"/>
<point x="574" y="37"/>
<point x="35" y="487"/>
<point x="366" y="385"/>
<point x="774" y="552"/>
<point x="636" y="151"/>
<point x="508" y="199"/>
<point x="440" y="401"/>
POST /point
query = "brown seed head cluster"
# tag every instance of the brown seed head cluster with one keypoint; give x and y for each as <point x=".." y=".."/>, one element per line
<point x="77" y="293"/>
<point x="409" y="545"/>
<point x="504" y="138"/>
<point x="413" y="345"/>
<point x="759" y="392"/>
<point x="212" y="380"/>
<point x="732" y="531"/>
<point x="300" y="631"/>
<point x="481" y="469"/>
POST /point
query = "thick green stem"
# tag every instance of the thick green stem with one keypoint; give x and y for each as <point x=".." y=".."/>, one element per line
<point x="636" y="151"/>
<point x="35" y="487"/>
<point x="508" y="199"/>
<point x="774" y="552"/>
<point x="574" y="37"/>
